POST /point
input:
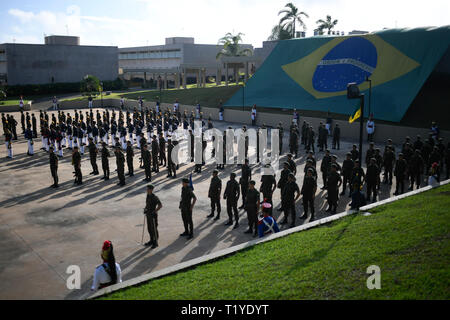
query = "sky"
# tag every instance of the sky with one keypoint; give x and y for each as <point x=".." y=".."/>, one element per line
<point x="148" y="22"/>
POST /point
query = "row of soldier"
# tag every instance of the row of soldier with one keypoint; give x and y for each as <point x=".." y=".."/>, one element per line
<point x="429" y="157"/>
<point x="419" y="156"/>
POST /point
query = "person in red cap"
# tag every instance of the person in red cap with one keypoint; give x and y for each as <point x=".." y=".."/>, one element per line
<point x="433" y="179"/>
<point x="108" y="273"/>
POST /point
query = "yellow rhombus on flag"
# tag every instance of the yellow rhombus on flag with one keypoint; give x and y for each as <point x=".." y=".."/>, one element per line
<point x="355" y="115"/>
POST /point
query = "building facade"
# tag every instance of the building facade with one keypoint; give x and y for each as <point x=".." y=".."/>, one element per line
<point x="60" y="59"/>
<point x="177" y="60"/>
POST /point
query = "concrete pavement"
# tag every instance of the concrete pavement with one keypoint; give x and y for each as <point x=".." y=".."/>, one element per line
<point x="45" y="230"/>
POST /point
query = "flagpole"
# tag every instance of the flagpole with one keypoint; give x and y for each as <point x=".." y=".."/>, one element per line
<point x="361" y="129"/>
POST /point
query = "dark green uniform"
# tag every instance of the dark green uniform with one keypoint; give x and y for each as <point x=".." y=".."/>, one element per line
<point x="282" y="182"/>
<point x="314" y="174"/>
<point x="280" y="138"/>
<point x="347" y="168"/>
<point x="172" y="168"/>
<point x="152" y="202"/>
<point x="308" y="192"/>
<point x="105" y="163"/>
<point x="215" y="188"/>
<point x="147" y="163"/>
<point x="325" y="168"/>
<point x="267" y="184"/>
<point x="388" y="164"/>
<point x="120" y="162"/>
<point x="186" y="213"/>
<point x="400" y="175"/>
<point x="293" y="143"/>
<point x="243" y="181"/>
<point x="93" y="157"/>
<point x="358" y="176"/>
<point x="292" y="166"/>
<point x="251" y="205"/>
<point x="130" y="155"/>
<point x="372" y="176"/>
<point x="54" y="168"/>
<point x="333" y="193"/>
<point x="155" y="153"/>
<point x="415" y="168"/>
<point x="76" y="161"/>
<point x="231" y="194"/>
<point x="162" y="152"/>
<point x="288" y="197"/>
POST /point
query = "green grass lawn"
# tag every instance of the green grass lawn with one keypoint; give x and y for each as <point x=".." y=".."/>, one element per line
<point x="11" y="102"/>
<point x="207" y="97"/>
<point x="407" y="239"/>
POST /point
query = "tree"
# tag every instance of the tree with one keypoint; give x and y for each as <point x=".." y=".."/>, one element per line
<point x="280" y="33"/>
<point x="326" y="24"/>
<point x="292" y="16"/>
<point x="231" y="47"/>
<point x="89" y="85"/>
<point x="2" y="93"/>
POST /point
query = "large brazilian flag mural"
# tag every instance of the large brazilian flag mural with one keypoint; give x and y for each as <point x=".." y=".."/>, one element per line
<point x="313" y="73"/>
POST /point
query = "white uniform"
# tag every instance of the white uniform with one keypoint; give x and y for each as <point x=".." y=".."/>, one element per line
<point x="30" y="147"/>
<point x="10" y="151"/>
<point x="370" y="127"/>
<point x="102" y="277"/>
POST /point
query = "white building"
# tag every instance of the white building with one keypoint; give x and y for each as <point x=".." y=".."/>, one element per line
<point x="178" y="60"/>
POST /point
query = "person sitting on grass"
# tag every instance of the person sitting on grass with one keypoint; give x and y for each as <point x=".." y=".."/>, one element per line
<point x="108" y="273"/>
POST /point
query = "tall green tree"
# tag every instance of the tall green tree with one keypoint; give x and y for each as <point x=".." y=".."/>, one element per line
<point x="280" y="33"/>
<point x="2" y="93"/>
<point x="90" y="85"/>
<point x="327" y="24"/>
<point x="231" y="47"/>
<point x="291" y="17"/>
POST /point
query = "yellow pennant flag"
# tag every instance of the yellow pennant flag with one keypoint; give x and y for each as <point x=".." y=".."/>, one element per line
<point x="355" y="115"/>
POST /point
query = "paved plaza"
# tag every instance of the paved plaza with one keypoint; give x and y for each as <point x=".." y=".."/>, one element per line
<point x="45" y="230"/>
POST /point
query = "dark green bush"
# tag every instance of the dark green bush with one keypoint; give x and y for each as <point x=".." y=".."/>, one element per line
<point x="57" y="88"/>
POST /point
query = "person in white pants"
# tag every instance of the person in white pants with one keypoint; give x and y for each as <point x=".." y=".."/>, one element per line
<point x="30" y="147"/>
<point x="9" y="148"/>
<point x="47" y="144"/>
<point x="8" y="142"/>
<point x="60" y="151"/>
<point x="55" y="103"/>
<point x="138" y="141"/>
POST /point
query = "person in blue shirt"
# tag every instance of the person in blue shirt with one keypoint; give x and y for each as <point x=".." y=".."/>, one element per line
<point x="266" y="223"/>
<point x="434" y="131"/>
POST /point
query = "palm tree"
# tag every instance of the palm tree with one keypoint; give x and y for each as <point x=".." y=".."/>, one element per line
<point x="280" y="33"/>
<point x="232" y="48"/>
<point x="328" y="24"/>
<point x="292" y="16"/>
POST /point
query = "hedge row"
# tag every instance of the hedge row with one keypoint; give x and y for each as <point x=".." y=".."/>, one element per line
<point x="58" y="88"/>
